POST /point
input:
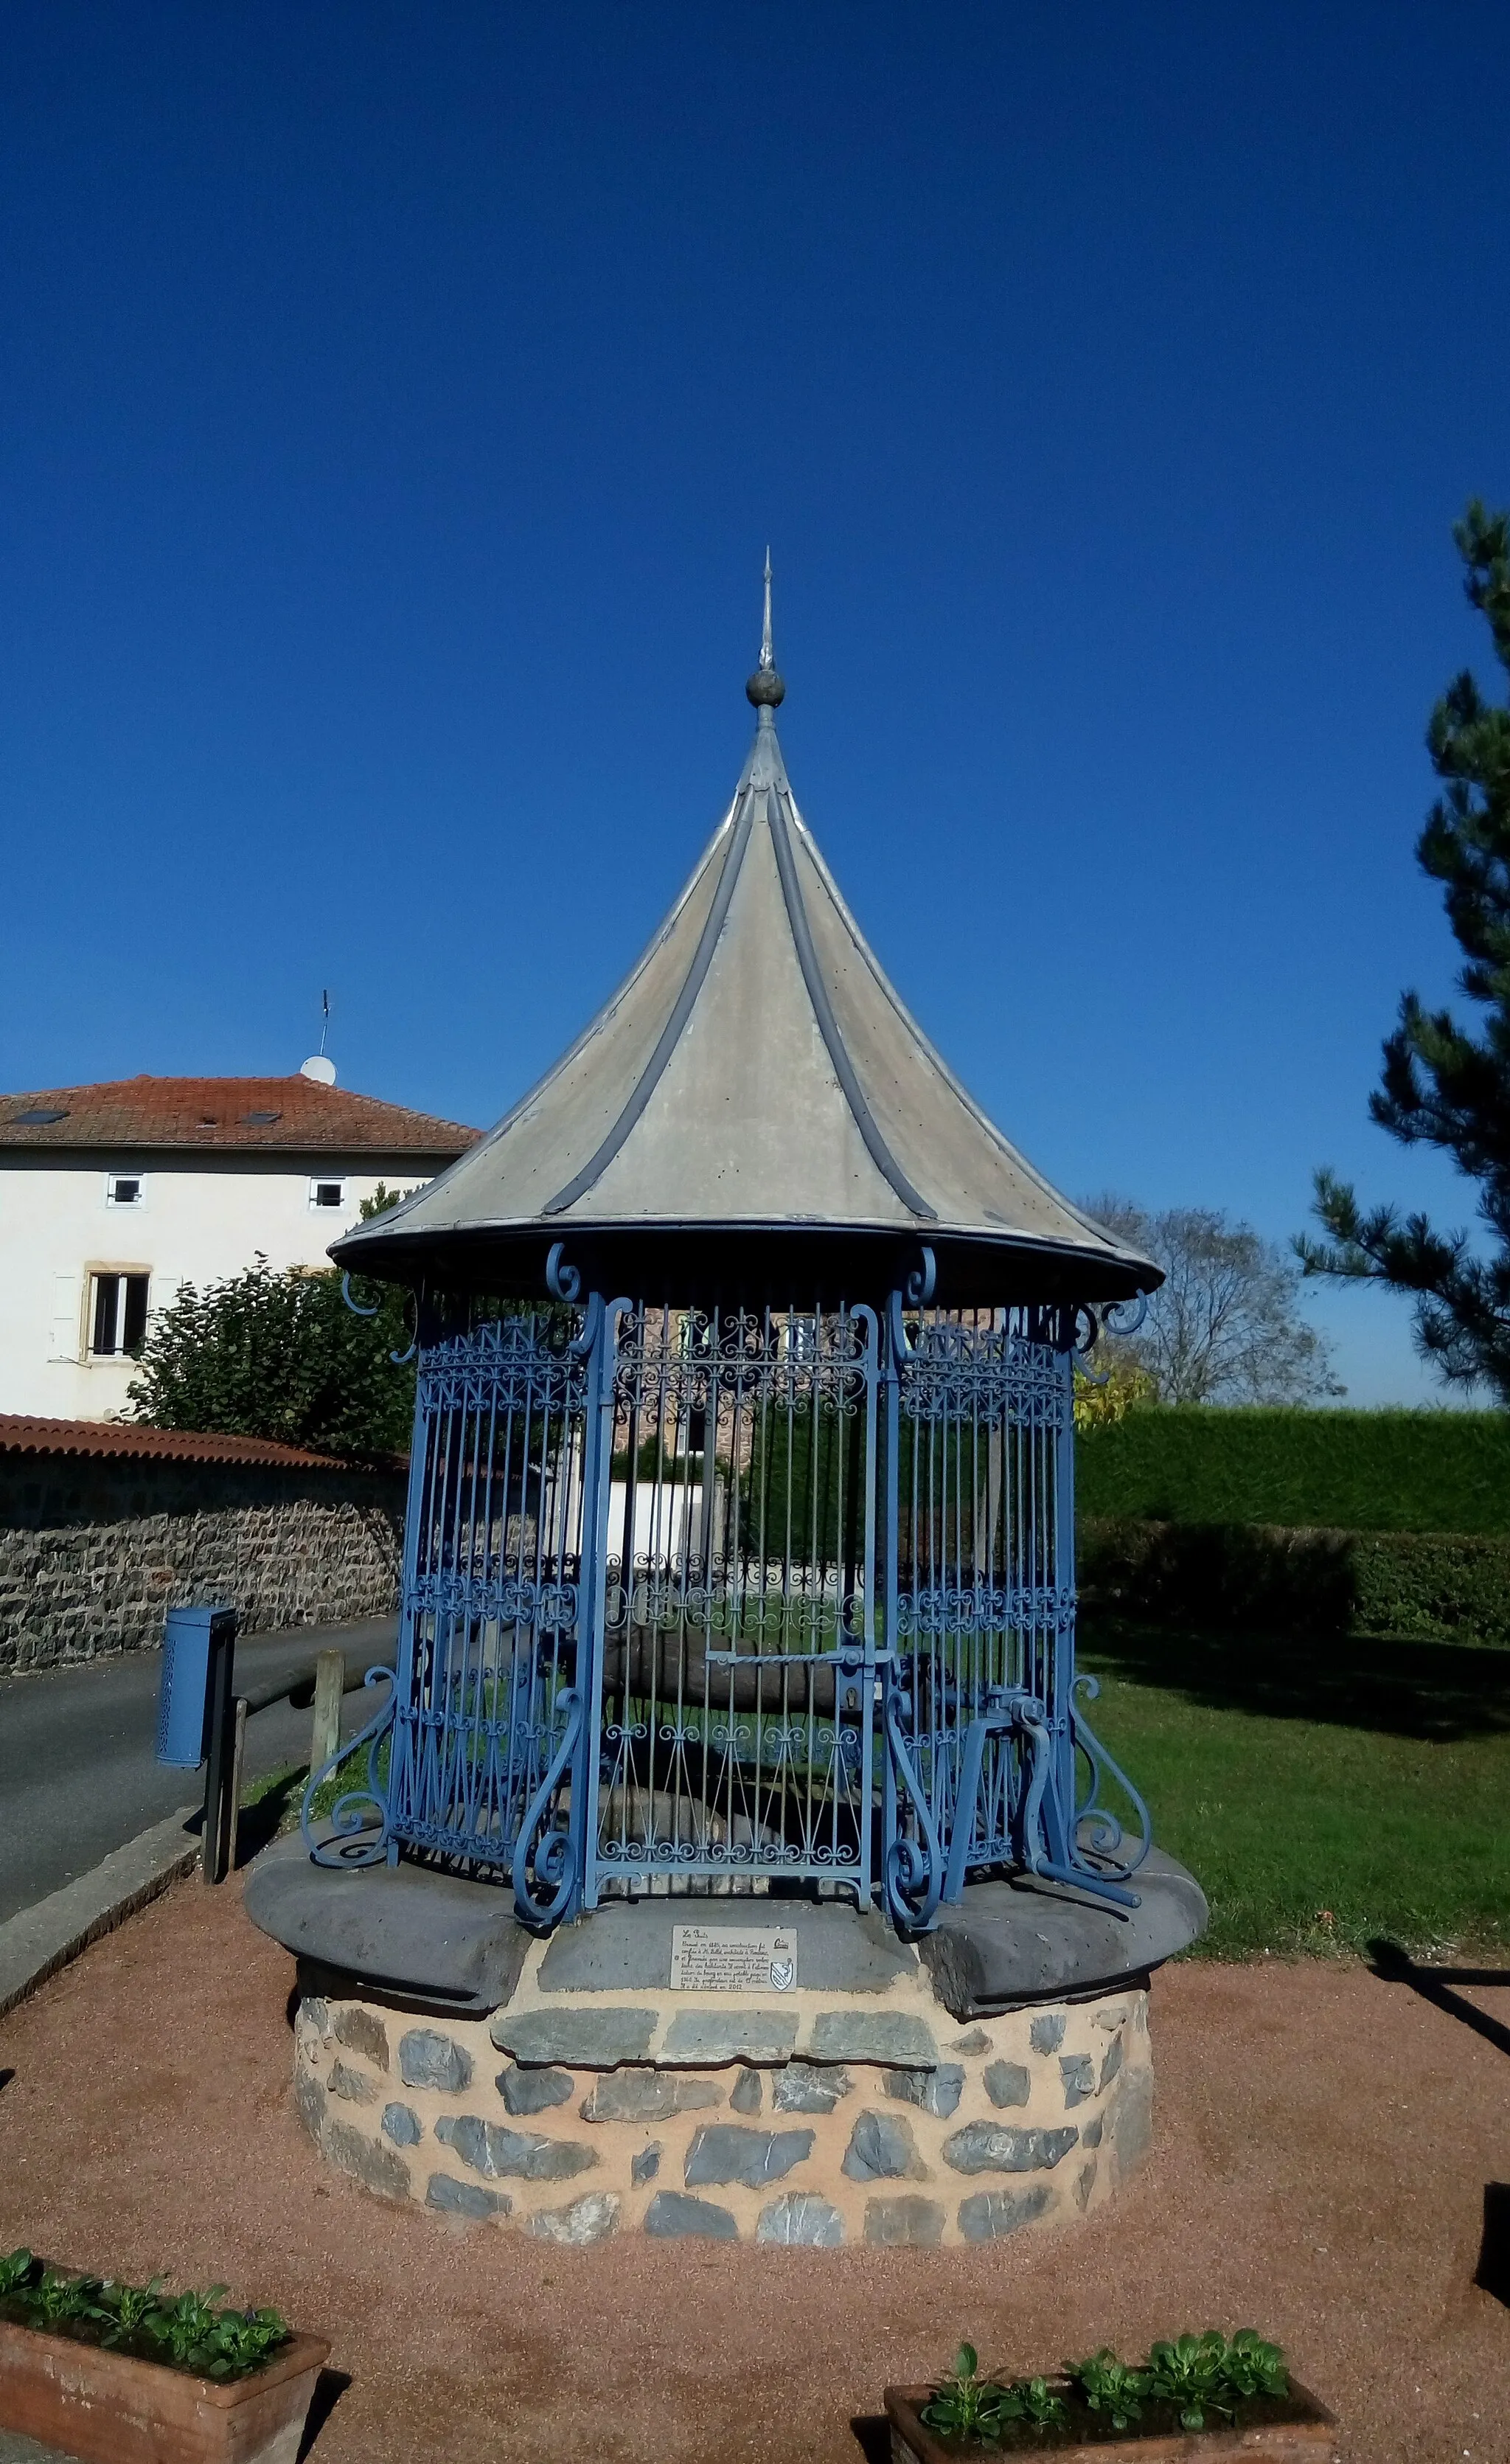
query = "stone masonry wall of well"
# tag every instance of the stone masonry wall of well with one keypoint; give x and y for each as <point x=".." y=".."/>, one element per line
<point x="93" y="1552"/>
<point x="968" y="2134"/>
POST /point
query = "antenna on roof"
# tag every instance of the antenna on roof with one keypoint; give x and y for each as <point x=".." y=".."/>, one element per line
<point x="316" y="1066"/>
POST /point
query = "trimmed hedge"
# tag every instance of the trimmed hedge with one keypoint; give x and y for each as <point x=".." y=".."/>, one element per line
<point x="1428" y="1587"/>
<point x="1355" y="1471"/>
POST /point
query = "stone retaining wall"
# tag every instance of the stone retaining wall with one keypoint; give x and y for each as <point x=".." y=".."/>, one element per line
<point x="859" y="2122"/>
<point x="93" y="1550"/>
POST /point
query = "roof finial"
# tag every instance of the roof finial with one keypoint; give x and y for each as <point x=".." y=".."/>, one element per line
<point x="765" y="688"/>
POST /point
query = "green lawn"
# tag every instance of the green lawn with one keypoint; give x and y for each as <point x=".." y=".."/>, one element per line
<point x="1326" y="1796"/>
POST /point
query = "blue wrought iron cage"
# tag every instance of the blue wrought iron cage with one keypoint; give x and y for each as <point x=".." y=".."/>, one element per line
<point x="712" y="1601"/>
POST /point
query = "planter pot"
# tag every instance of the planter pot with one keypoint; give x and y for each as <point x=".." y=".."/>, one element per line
<point x="111" y="2409"/>
<point x="1296" y="2429"/>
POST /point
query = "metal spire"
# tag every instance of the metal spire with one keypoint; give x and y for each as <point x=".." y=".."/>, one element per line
<point x="765" y="688"/>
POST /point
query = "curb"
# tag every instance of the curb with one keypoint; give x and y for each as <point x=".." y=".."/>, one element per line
<point x="40" y="1940"/>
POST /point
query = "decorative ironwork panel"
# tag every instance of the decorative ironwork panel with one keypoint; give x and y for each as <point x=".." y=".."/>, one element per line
<point x="982" y="1603"/>
<point x="734" y="1700"/>
<point x="489" y="1706"/>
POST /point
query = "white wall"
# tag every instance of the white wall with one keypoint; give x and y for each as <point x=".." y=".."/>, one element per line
<point x="200" y="1218"/>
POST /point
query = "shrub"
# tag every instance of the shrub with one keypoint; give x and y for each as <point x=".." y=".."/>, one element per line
<point x="1341" y="1471"/>
<point x="1428" y="1587"/>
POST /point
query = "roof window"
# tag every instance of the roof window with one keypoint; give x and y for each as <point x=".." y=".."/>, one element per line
<point x="260" y="1120"/>
<point x="39" y="1116"/>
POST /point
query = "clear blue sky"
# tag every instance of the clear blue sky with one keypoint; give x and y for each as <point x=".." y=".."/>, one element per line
<point x="396" y="403"/>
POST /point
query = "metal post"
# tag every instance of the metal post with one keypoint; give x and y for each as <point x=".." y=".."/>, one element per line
<point x="238" y="1756"/>
<point x="330" y="1678"/>
<point x="214" y="1846"/>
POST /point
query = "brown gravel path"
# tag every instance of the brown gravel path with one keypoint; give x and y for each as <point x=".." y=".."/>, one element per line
<point x="1322" y="2149"/>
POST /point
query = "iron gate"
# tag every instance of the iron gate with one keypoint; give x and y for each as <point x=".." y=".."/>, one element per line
<point x="704" y="1601"/>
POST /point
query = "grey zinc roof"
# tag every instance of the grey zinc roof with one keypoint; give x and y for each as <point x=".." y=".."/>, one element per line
<point x="756" y="1074"/>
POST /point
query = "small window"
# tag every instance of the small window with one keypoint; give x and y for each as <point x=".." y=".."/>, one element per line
<point x="117" y="1315"/>
<point x="123" y="1189"/>
<point x="327" y="1193"/>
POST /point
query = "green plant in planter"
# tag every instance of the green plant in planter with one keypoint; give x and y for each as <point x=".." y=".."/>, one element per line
<point x="1110" y="2386"/>
<point x="125" y="2309"/>
<point x="214" y="2343"/>
<point x="242" y="2339"/>
<point x="1190" y="2372"/>
<point x="1252" y="2367"/>
<point x="56" y="2298"/>
<point x="17" y="2272"/>
<point x="186" y="2325"/>
<point x="1034" y="2400"/>
<point x="192" y="2333"/>
<point x="967" y="2405"/>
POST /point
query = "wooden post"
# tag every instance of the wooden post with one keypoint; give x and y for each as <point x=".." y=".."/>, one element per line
<point x="330" y="1679"/>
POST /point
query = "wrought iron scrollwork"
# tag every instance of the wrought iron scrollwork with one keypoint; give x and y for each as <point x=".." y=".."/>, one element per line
<point x="1111" y="1320"/>
<point x="353" y="1839"/>
<point x="562" y="1282"/>
<point x="922" y="1279"/>
<point x="1096" y="1830"/>
<point x="912" y="1858"/>
<point x="400" y="1359"/>
<point x="550" y="1856"/>
<point x="1086" y="1334"/>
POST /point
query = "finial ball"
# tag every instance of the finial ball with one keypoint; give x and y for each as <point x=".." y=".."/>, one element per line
<point x="765" y="688"/>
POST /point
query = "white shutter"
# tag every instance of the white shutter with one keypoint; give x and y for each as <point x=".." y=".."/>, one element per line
<point x="65" y="1318"/>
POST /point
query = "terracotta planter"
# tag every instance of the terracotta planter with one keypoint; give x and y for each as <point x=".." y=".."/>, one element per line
<point x="1299" y="2431"/>
<point x="113" y="2408"/>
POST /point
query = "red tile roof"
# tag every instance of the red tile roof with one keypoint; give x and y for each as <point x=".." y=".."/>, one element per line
<point x="297" y="1114"/>
<point x="23" y="1434"/>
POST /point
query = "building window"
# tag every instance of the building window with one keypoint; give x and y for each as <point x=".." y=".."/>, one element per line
<point x="117" y="1315"/>
<point x="327" y="1193"/>
<point x="124" y="1188"/>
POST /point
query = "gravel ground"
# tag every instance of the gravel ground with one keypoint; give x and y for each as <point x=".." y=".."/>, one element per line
<point x="1323" y="2145"/>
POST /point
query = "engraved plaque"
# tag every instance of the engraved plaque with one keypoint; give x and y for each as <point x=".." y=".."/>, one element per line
<point x="733" y="1958"/>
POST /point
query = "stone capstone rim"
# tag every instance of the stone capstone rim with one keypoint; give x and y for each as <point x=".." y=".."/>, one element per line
<point x="409" y="1931"/>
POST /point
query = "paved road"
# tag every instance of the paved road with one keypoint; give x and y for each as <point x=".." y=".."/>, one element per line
<point x="76" y="1772"/>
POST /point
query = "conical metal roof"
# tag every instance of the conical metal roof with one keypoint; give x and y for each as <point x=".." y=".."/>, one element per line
<point x="754" y="1110"/>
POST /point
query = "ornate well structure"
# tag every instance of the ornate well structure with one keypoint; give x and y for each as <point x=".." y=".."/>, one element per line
<point x="733" y="1854"/>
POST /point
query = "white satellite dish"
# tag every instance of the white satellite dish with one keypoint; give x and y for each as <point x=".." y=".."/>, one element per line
<point x="318" y="1068"/>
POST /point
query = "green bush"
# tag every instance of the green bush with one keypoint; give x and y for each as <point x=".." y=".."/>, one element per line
<point x="1431" y="1586"/>
<point x="282" y="1356"/>
<point x="1344" y="1471"/>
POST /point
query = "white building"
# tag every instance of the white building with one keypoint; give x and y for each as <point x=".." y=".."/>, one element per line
<point x="111" y="1196"/>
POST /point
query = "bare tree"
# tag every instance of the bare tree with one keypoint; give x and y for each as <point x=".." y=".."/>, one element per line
<point x="1224" y="1327"/>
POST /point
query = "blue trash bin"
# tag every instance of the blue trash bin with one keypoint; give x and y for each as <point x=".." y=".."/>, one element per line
<point x="182" y="1700"/>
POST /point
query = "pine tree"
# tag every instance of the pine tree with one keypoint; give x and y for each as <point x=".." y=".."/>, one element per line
<point x="1442" y="1085"/>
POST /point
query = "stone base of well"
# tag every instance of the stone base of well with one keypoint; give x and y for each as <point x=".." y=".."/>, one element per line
<point x="881" y="2091"/>
<point x="1027" y="2120"/>
<point x="966" y="2134"/>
